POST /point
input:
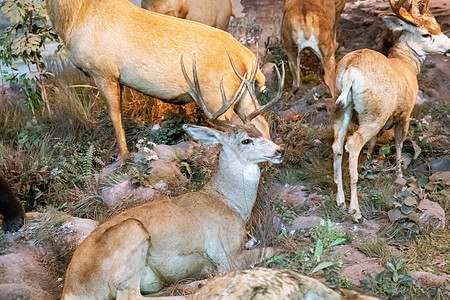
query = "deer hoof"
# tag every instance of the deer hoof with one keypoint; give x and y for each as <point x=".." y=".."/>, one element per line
<point x="356" y="215"/>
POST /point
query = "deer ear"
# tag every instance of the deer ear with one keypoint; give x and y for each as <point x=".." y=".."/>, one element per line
<point x="203" y="134"/>
<point x="396" y="24"/>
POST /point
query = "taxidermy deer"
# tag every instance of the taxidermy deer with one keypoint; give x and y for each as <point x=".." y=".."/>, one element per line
<point x="268" y="284"/>
<point x="117" y="44"/>
<point x="311" y="24"/>
<point x="382" y="90"/>
<point x="161" y="242"/>
<point x="215" y="13"/>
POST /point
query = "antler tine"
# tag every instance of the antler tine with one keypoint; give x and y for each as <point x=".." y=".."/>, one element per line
<point x="196" y="93"/>
<point x="277" y="98"/>
<point x="400" y="12"/>
<point x="249" y="82"/>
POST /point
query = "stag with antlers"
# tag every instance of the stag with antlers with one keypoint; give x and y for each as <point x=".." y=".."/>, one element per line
<point x="119" y="44"/>
<point x="382" y="90"/>
<point x="161" y="242"/>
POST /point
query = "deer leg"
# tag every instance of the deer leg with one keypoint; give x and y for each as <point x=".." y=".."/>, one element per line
<point x="293" y="55"/>
<point x="340" y="131"/>
<point x="401" y="129"/>
<point x="354" y="145"/>
<point x="329" y="65"/>
<point x="110" y="88"/>
<point x="330" y="74"/>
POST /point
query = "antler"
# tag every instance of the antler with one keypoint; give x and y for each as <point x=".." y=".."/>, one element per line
<point x="196" y="93"/>
<point x="250" y="84"/>
<point x="402" y="13"/>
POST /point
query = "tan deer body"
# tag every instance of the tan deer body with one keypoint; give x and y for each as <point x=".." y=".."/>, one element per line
<point x="159" y="243"/>
<point x="382" y="91"/>
<point x="268" y="284"/>
<point x="118" y="43"/>
<point x="311" y="24"/>
<point x="215" y="13"/>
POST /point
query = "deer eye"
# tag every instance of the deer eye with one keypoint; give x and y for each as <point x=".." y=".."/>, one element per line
<point x="426" y="35"/>
<point x="247" y="141"/>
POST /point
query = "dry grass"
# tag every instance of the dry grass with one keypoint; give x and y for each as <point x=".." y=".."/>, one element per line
<point x="430" y="252"/>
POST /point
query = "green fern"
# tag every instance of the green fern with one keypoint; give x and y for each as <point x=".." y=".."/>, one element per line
<point x="87" y="161"/>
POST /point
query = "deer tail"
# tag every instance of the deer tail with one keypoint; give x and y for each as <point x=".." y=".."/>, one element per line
<point x="345" y="98"/>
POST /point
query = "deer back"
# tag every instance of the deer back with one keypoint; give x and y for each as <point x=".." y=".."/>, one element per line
<point x="115" y="39"/>
<point x="214" y="13"/>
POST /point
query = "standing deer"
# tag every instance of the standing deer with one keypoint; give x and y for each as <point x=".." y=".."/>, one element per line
<point x="382" y="90"/>
<point x="311" y="24"/>
<point x="215" y="13"/>
<point x="117" y="44"/>
<point x="159" y="243"/>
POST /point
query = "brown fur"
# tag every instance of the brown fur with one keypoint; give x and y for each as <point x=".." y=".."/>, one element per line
<point x="215" y="13"/>
<point x="268" y="284"/>
<point x="382" y="91"/>
<point x="117" y="43"/>
<point x="316" y="19"/>
<point x="162" y="242"/>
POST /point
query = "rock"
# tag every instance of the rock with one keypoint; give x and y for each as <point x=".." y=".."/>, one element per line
<point x="294" y="197"/>
<point x="166" y="171"/>
<point x="80" y="227"/>
<point x="303" y="224"/>
<point x="124" y="192"/>
<point x="268" y="70"/>
<point x="178" y="151"/>
<point x="396" y="214"/>
<point x="364" y="268"/>
<point x="431" y="214"/>
<point x="348" y="254"/>
<point x="430" y="280"/>
<point x="441" y="178"/>
<point x="23" y="277"/>
<point x="440" y="164"/>
<point x="367" y="229"/>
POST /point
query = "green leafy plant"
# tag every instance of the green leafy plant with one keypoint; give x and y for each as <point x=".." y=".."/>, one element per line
<point x="23" y="41"/>
<point x="310" y="260"/>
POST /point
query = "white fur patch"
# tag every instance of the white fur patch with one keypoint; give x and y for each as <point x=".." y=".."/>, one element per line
<point x="312" y="43"/>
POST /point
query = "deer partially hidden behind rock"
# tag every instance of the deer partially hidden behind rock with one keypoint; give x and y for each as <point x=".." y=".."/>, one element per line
<point x="381" y="91"/>
<point x="117" y="44"/>
<point x="215" y="13"/>
<point x="161" y="242"/>
<point x="311" y="24"/>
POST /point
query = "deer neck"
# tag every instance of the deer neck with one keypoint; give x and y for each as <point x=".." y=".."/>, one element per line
<point x="63" y="15"/>
<point x="407" y="55"/>
<point x="237" y="182"/>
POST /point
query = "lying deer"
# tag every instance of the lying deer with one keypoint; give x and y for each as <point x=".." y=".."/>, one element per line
<point x="215" y="13"/>
<point x="268" y="284"/>
<point x="381" y="90"/>
<point x="159" y="243"/>
<point x="311" y="24"/>
<point x="117" y="44"/>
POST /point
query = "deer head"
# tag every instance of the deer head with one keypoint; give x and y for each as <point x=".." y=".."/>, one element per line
<point x="245" y="141"/>
<point x="420" y="30"/>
